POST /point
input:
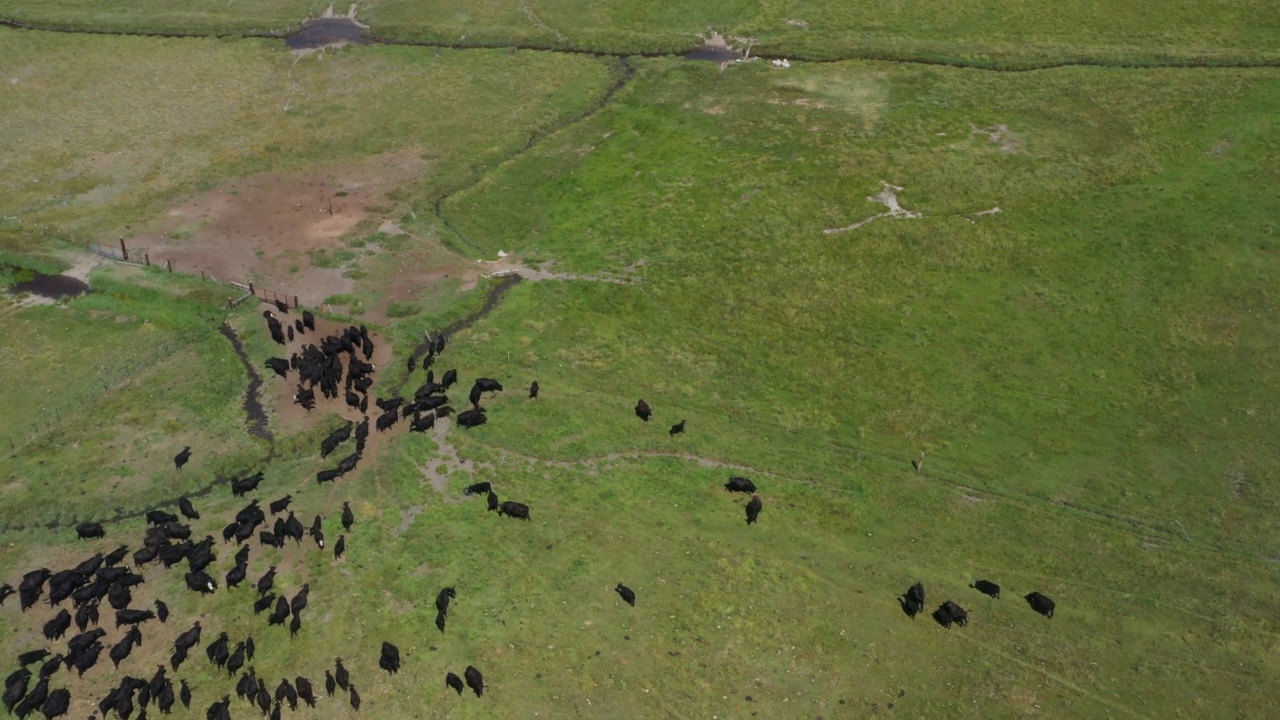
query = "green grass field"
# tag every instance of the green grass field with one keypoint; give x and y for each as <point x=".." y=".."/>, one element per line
<point x="1088" y="371"/>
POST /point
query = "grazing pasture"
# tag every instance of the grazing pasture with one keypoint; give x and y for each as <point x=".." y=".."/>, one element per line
<point x="949" y="324"/>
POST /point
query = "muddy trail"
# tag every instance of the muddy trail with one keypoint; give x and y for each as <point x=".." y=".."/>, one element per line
<point x="496" y="292"/>
<point x="690" y="51"/>
<point x="255" y="417"/>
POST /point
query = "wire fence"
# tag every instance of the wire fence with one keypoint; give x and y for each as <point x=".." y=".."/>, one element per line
<point x="142" y="258"/>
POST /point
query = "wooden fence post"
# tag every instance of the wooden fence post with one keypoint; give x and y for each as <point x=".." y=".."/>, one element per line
<point x="202" y="273"/>
<point x="295" y="302"/>
<point x="251" y="290"/>
<point x="146" y="258"/>
<point x="168" y="265"/>
<point x="124" y="250"/>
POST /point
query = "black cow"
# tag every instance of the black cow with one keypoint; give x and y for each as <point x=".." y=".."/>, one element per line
<point x="642" y="411"/>
<point x="286" y="693"/>
<point x="533" y="390"/>
<point x="188" y="639"/>
<point x="217" y="650"/>
<point x="474" y="396"/>
<point x="242" y="486"/>
<point x="31" y="587"/>
<point x="753" y="509"/>
<point x="514" y="509"/>
<point x="115" y="556"/>
<point x="78" y="644"/>
<point x="348" y="463"/>
<point x="279" y="366"/>
<point x="476" y="489"/>
<point x="181" y="458"/>
<point x="87" y="659"/>
<point x="676" y="429"/>
<point x="305" y="690"/>
<point x="236" y="661"/>
<point x="387" y="419"/>
<point x="475" y="680"/>
<point x="472" y="418"/>
<point x="263" y="603"/>
<point x="235" y="575"/>
<point x="390" y="660"/>
<point x="339" y="547"/>
<point x="329" y="683"/>
<point x="309" y="320"/>
<point x="164" y="698"/>
<point x="282" y="307"/>
<point x="306" y="397"/>
<point x="423" y="424"/>
<point x="325" y="476"/>
<point x="35" y="656"/>
<point x="493" y="501"/>
<point x="454" y="682"/>
<point x="177" y="531"/>
<point x="299" y="601"/>
<point x="916" y="593"/>
<point x="1040" y="603"/>
<point x="341" y="674"/>
<point x="201" y="582"/>
<point x="51" y="666"/>
<point x="133" y="617"/>
<point x="949" y="613"/>
<point x="33" y="700"/>
<point x="184" y="694"/>
<point x="355" y="699"/>
<point x="162" y="611"/>
<point x="187" y="509"/>
<point x="909" y="606"/>
<point x="271" y="539"/>
<point x="450" y="377"/>
<point x="443" y="598"/>
<point x="740" y="484"/>
<point x="219" y="710"/>
<point x="280" y="505"/>
<point x="627" y="594"/>
<point x="488" y="385"/>
<point x="89" y="530"/>
<point x="57" y="627"/>
<point x="986" y="587"/>
<point x="280" y="612"/>
<point x="15" y="688"/>
<point x="120" y="651"/>
<point x="56" y="704"/>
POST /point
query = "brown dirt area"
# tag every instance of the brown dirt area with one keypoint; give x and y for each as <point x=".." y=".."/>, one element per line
<point x="261" y="227"/>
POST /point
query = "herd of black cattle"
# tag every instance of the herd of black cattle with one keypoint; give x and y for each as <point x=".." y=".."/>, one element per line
<point x="168" y="541"/>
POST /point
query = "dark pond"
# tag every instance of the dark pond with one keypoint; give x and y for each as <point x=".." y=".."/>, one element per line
<point x="326" y="31"/>
<point x="713" y="53"/>
<point x="54" y="287"/>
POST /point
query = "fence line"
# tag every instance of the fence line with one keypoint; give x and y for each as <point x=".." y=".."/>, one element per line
<point x="142" y="258"/>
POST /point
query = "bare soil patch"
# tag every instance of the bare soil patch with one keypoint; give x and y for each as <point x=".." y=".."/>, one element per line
<point x="1008" y="141"/>
<point x="261" y="227"/>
